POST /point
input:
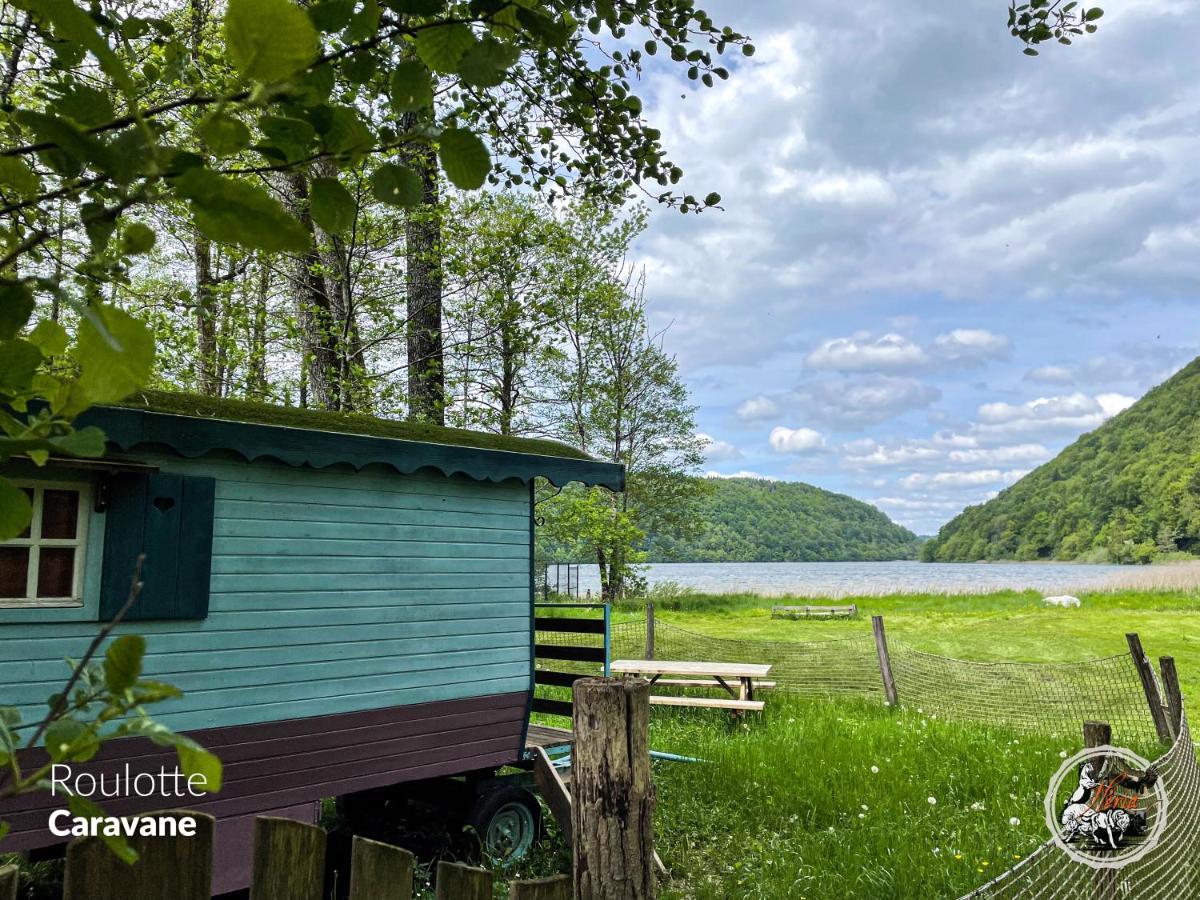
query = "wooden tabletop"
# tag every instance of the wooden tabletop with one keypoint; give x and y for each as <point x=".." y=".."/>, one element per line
<point x="680" y="667"/>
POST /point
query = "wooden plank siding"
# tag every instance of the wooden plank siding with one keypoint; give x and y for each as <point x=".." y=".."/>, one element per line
<point x="333" y="591"/>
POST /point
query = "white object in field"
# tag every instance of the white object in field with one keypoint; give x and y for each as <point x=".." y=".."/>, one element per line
<point x="1061" y="600"/>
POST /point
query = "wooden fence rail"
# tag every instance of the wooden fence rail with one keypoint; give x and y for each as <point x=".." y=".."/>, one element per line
<point x="289" y="864"/>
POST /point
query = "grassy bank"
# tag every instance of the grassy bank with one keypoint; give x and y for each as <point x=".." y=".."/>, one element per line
<point x="1009" y="626"/>
<point x="832" y="800"/>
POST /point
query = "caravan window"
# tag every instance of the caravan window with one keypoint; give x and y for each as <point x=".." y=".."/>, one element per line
<point x="44" y="565"/>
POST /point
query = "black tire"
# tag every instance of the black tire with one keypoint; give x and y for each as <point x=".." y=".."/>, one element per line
<point x="507" y="819"/>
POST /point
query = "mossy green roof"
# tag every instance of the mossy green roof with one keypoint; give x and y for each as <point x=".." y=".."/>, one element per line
<point x="195" y="426"/>
<point x="182" y="404"/>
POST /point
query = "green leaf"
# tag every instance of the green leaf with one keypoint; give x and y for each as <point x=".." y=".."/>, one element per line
<point x="331" y="205"/>
<point x="464" y="157"/>
<point x="86" y="442"/>
<point x="291" y="136"/>
<point x="89" y="809"/>
<point x="69" y="739"/>
<point x="223" y="135"/>
<point x="397" y="186"/>
<point x="17" y="178"/>
<point x="231" y="211"/>
<point x="487" y="63"/>
<point x="19" y="360"/>
<point x="72" y="24"/>
<point x="137" y="238"/>
<point x="441" y="47"/>
<point x="15" y="511"/>
<point x="49" y="337"/>
<point x="331" y="15"/>
<point x="195" y="760"/>
<point x="115" y="353"/>
<point x="416" y="7"/>
<point x="346" y="134"/>
<point x="16" y="306"/>
<point x="123" y="662"/>
<point x="412" y="87"/>
<point x="269" y="40"/>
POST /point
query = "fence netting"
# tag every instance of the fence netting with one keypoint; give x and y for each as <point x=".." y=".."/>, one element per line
<point x="824" y="668"/>
<point x="1050" y="698"/>
<point x="1170" y="871"/>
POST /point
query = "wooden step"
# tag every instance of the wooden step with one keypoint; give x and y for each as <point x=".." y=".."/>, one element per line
<point x="706" y="702"/>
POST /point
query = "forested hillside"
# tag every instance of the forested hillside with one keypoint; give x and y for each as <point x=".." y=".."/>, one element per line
<point x="751" y="520"/>
<point x="1127" y="491"/>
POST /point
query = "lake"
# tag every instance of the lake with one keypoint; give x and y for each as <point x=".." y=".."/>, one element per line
<point x="838" y="579"/>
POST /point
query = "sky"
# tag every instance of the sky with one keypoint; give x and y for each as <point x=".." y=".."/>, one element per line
<point x="939" y="261"/>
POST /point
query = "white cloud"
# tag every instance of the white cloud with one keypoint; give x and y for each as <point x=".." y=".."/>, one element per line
<point x="796" y="440"/>
<point x="854" y="403"/>
<point x="975" y="478"/>
<point x="758" y="409"/>
<point x="1114" y="403"/>
<point x="742" y="474"/>
<point x="1076" y="412"/>
<point x="872" y="453"/>
<point x="1051" y="375"/>
<point x="971" y="346"/>
<point x="718" y="451"/>
<point x="891" y="351"/>
<point x="1000" y="455"/>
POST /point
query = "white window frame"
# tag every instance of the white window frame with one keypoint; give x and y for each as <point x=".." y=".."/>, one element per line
<point x="35" y="542"/>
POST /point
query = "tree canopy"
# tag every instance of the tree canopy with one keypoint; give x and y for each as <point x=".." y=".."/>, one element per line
<point x="1125" y="492"/>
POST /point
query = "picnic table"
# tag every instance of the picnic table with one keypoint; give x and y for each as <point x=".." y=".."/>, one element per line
<point x="700" y="674"/>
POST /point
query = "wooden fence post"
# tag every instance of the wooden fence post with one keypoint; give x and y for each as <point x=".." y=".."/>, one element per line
<point x="1104" y="881"/>
<point x="557" y="887"/>
<point x="456" y="881"/>
<point x="612" y="811"/>
<point x="1150" y="687"/>
<point x="380" y="871"/>
<point x="289" y="860"/>
<point x="885" y="660"/>
<point x="8" y="882"/>
<point x="168" y="868"/>
<point x="1170" y="680"/>
<point x="649" y="631"/>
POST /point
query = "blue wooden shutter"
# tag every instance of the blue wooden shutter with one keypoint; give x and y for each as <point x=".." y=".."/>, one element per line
<point x="169" y="518"/>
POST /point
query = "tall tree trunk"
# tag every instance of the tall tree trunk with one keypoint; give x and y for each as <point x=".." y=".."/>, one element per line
<point x="256" y="376"/>
<point x="423" y="252"/>
<point x="319" y="385"/>
<point x="335" y="266"/>
<point x="207" y="383"/>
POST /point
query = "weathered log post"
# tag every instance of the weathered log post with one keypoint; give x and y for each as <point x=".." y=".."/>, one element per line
<point x="649" y="631"/>
<point x="612" y="811"/>
<point x="1149" y="687"/>
<point x="885" y="660"/>
<point x="1174" y="698"/>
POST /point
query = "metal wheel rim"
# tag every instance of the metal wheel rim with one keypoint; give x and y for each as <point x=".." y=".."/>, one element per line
<point x="510" y="832"/>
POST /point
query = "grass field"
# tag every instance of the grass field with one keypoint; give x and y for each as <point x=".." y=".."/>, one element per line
<point x="847" y="799"/>
<point x="1010" y="626"/>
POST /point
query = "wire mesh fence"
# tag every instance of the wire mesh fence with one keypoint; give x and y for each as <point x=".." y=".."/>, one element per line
<point x="1170" y="871"/>
<point x="1052" y="698"/>
<point x="819" y="668"/>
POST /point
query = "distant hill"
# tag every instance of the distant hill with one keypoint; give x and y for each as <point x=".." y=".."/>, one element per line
<point x="753" y="520"/>
<point x="1126" y="491"/>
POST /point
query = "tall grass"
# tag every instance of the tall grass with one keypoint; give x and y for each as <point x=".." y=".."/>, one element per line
<point x="847" y="799"/>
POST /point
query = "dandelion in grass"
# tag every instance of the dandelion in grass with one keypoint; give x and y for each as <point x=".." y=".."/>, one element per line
<point x="874" y="770"/>
<point x="932" y="801"/>
<point x="1014" y="821"/>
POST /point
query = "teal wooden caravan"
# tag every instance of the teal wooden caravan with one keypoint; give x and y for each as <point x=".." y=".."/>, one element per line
<point x="347" y="603"/>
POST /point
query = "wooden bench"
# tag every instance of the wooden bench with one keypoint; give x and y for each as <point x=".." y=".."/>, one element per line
<point x="707" y="702"/>
<point x="705" y="682"/>
<point x="814" y="612"/>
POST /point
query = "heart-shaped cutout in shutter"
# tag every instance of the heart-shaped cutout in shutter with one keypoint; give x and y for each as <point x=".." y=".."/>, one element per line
<point x="164" y="504"/>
